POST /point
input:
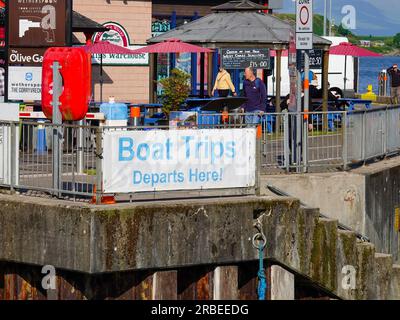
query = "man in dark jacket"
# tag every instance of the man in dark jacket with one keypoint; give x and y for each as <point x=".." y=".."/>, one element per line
<point x="255" y="91"/>
<point x="394" y="73"/>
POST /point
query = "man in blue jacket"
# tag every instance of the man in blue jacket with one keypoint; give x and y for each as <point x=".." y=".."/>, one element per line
<point x="255" y="91"/>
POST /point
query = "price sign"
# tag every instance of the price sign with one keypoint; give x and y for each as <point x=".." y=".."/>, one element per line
<point x="316" y="58"/>
<point x="243" y="58"/>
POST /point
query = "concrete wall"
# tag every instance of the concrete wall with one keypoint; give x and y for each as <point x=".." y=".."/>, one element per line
<point x="126" y="83"/>
<point x="338" y="195"/>
<point x="193" y="249"/>
<point x="363" y="199"/>
<point x="381" y="199"/>
<point x="133" y="237"/>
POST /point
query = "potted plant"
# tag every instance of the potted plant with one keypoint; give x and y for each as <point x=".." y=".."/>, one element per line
<point x="176" y="90"/>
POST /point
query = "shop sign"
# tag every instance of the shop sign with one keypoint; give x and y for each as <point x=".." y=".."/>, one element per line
<point x="25" y="83"/>
<point x="39" y="23"/>
<point x="159" y="27"/>
<point x="26" y="56"/>
<point x="158" y="160"/>
<point x="118" y="35"/>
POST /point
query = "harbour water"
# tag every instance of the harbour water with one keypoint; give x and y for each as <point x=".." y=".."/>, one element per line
<point x="370" y="68"/>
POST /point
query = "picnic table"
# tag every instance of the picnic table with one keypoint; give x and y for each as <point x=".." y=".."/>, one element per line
<point x="352" y="103"/>
<point x="148" y="112"/>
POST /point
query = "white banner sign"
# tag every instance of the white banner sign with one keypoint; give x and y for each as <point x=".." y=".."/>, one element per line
<point x="25" y="83"/>
<point x="166" y="160"/>
<point x="123" y="59"/>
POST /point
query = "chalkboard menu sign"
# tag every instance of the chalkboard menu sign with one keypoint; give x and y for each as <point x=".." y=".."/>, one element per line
<point x="316" y="57"/>
<point x="243" y="58"/>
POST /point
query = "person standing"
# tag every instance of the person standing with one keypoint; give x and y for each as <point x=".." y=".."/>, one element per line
<point x="223" y="84"/>
<point x="394" y="73"/>
<point x="255" y="91"/>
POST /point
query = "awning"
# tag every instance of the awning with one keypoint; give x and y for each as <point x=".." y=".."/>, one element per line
<point x="237" y="23"/>
<point x="81" y="23"/>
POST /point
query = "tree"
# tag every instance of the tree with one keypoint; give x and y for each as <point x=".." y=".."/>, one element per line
<point x="396" y="40"/>
<point x="176" y="90"/>
<point x="343" y="31"/>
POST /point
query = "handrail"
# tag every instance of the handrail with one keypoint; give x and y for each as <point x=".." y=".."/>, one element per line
<point x="375" y="109"/>
<point x="341" y="226"/>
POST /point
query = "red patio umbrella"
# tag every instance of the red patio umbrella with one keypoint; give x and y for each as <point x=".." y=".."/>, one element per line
<point x="105" y="47"/>
<point x="349" y="49"/>
<point x="172" y="46"/>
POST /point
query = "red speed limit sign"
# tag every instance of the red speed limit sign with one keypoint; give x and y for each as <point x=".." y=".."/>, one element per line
<point x="304" y="16"/>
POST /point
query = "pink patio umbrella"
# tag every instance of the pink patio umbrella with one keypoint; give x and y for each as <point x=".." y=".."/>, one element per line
<point x="349" y="49"/>
<point x="172" y="46"/>
<point x="105" y="47"/>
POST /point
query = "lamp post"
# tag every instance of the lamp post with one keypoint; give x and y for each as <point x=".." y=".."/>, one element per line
<point x="330" y="18"/>
<point x="325" y="16"/>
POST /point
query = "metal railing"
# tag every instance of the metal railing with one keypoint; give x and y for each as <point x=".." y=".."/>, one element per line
<point x="290" y="142"/>
<point x="320" y="141"/>
<point x="373" y="133"/>
<point x="33" y="162"/>
<point x="28" y="163"/>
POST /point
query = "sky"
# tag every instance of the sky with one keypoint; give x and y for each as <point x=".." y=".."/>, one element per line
<point x="373" y="17"/>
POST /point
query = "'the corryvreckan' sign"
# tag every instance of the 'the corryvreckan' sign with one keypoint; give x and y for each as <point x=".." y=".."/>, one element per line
<point x="39" y="23"/>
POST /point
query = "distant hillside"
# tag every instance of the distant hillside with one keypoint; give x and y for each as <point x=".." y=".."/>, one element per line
<point x="383" y="45"/>
<point x="375" y="17"/>
<point x="318" y="21"/>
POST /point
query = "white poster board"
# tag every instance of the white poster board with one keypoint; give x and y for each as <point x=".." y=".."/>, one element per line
<point x="166" y="160"/>
<point x="25" y="83"/>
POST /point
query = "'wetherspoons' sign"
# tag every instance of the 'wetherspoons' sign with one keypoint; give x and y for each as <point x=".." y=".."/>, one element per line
<point x="25" y="83"/>
<point x="39" y="23"/>
<point x="166" y="160"/>
<point x="304" y="24"/>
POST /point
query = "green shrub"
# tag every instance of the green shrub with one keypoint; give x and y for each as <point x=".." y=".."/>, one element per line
<point x="176" y="90"/>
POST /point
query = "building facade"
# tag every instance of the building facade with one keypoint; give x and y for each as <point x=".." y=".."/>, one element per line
<point x="131" y="23"/>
